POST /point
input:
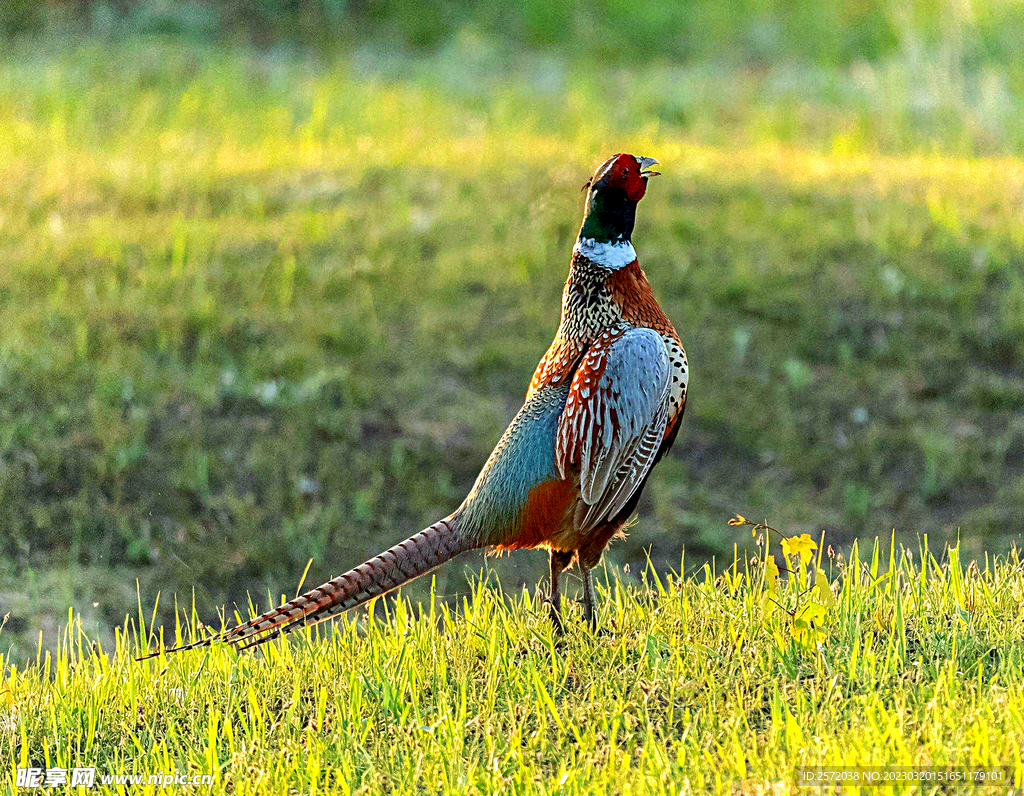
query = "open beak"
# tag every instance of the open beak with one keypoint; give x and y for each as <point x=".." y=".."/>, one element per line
<point x="645" y="165"/>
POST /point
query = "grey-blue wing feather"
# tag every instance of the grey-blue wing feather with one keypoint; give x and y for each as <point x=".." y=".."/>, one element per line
<point x="615" y="420"/>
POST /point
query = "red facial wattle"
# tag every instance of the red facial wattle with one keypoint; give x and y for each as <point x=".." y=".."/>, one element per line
<point x="628" y="173"/>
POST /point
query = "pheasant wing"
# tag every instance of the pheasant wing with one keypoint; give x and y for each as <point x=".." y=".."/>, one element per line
<point x="614" y="420"/>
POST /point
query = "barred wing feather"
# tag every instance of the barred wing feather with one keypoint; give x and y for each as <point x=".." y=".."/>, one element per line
<point x="614" y="420"/>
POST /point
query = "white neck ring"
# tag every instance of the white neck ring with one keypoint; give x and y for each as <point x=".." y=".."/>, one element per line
<point x="609" y="255"/>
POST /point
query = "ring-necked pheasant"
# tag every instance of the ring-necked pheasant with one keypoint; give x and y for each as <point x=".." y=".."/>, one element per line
<point x="604" y="405"/>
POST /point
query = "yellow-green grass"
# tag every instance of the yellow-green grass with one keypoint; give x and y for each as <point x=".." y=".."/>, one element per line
<point x="258" y="308"/>
<point x="695" y="685"/>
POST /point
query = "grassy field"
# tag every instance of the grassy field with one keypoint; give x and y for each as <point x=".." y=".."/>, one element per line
<point x="262" y="307"/>
<point x="722" y="682"/>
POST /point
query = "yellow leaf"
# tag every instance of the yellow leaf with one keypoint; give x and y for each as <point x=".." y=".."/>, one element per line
<point x="813" y="614"/>
<point x="807" y="625"/>
<point x="802" y="545"/>
<point x="823" y="590"/>
<point x="771" y="574"/>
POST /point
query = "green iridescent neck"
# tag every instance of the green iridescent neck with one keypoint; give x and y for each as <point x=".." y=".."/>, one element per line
<point x="609" y="216"/>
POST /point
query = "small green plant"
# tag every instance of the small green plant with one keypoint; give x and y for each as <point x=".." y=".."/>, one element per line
<point x="808" y="602"/>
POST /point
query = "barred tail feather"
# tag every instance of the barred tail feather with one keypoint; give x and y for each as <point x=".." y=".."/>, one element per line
<point x="407" y="560"/>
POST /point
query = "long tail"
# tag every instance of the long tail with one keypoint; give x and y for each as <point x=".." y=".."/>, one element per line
<point x="407" y="560"/>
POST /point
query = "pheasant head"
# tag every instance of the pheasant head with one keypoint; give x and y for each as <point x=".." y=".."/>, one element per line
<point x="610" y="213"/>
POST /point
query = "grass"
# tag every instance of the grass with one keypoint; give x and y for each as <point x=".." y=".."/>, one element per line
<point x="756" y="32"/>
<point x="699" y="684"/>
<point x="260" y="308"/>
<point x="267" y="306"/>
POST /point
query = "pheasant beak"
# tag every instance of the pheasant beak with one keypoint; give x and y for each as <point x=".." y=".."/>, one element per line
<point x="645" y="164"/>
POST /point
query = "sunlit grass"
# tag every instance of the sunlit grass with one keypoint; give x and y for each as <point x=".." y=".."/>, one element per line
<point x="260" y="308"/>
<point x="694" y="685"/>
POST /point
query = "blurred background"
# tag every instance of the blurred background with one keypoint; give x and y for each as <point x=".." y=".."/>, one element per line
<point x="275" y="275"/>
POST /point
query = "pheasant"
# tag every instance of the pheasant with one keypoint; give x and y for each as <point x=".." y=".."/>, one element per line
<point x="604" y="405"/>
